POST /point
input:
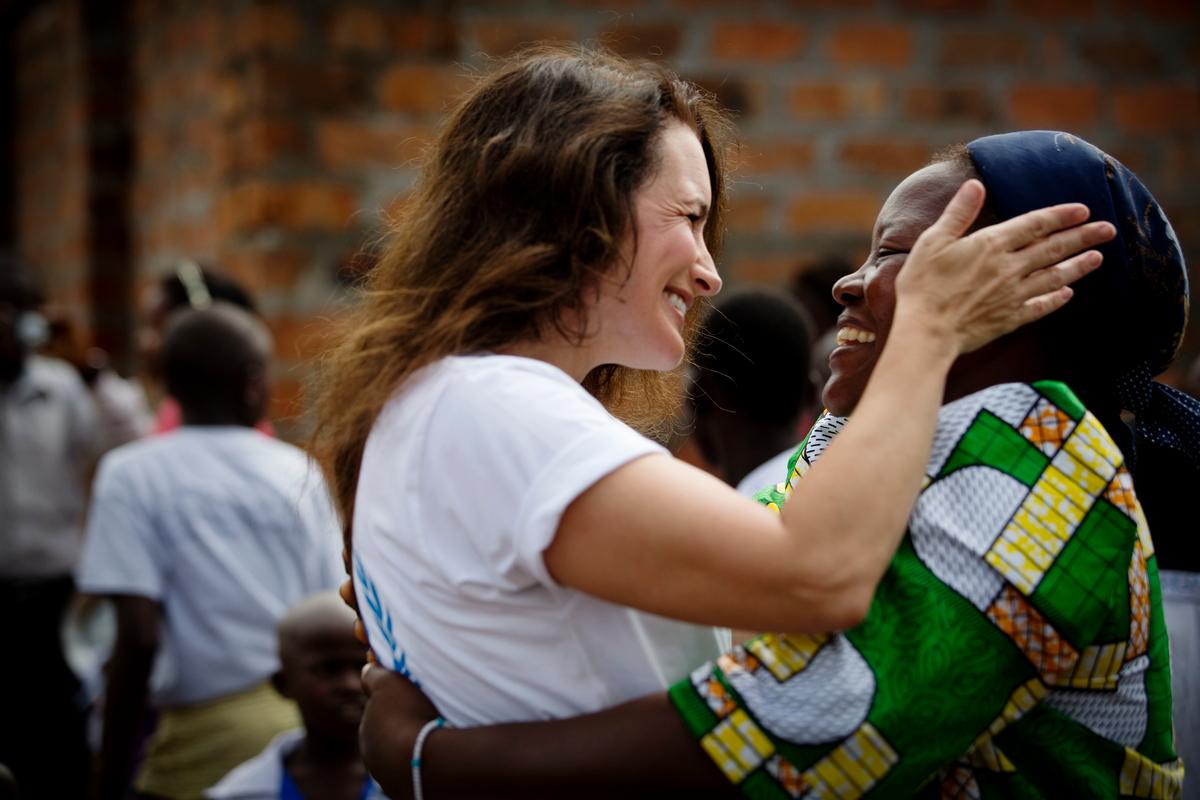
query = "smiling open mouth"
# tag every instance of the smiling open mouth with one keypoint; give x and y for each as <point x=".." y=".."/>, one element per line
<point x="849" y="335"/>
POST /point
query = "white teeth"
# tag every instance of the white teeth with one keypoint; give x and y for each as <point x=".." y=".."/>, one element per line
<point x="677" y="302"/>
<point x="849" y="335"/>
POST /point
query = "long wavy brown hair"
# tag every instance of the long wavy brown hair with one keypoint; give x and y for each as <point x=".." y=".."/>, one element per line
<point x="521" y="208"/>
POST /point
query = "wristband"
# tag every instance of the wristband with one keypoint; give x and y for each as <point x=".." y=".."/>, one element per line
<point x="427" y="729"/>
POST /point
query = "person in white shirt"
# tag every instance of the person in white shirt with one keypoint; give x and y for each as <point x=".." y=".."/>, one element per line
<point x="48" y="441"/>
<point x="203" y="538"/>
<point x="515" y="546"/>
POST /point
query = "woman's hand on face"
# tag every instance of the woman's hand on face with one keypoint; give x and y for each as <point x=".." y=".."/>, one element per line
<point x="969" y="290"/>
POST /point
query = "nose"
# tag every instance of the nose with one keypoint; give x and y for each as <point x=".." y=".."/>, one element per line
<point x="705" y="279"/>
<point x="848" y="289"/>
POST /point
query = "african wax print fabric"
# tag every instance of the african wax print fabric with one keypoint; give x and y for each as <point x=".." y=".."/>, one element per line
<point x="1015" y="647"/>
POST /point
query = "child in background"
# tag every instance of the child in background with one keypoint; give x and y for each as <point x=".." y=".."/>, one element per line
<point x="320" y="662"/>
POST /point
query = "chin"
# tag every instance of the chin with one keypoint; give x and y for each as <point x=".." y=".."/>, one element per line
<point x="661" y="358"/>
<point x="838" y="401"/>
<point x="666" y="363"/>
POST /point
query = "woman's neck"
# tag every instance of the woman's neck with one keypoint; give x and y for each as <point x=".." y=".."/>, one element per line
<point x="574" y="359"/>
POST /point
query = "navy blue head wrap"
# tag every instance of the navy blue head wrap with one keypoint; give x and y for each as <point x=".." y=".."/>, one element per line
<point x="1133" y="310"/>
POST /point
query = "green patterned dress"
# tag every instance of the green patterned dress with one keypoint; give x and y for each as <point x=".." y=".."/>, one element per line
<point x="1015" y="647"/>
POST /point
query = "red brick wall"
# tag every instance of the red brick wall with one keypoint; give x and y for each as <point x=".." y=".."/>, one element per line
<point x="176" y="51"/>
<point x="270" y="136"/>
<point x="50" y="153"/>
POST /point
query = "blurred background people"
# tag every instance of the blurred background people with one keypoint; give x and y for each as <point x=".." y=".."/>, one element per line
<point x="203" y="538"/>
<point x="122" y="413"/>
<point x="753" y="395"/>
<point x="48" y="442"/>
<point x="188" y="286"/>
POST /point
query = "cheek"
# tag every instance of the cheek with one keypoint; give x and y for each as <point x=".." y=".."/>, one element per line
<point x="667" y="252"/>
<point x="880" y="294"/>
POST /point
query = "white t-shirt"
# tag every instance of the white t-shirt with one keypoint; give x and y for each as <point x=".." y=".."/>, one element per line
<point x="464" y="478"/>
<point x="227" y="529"/>
<point x="47" y="443"/>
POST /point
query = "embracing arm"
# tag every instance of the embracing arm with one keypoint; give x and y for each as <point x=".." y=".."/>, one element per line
<point x="125" y="699"/>
<point x="661" y="536"/>
<point x="639" y="748"/>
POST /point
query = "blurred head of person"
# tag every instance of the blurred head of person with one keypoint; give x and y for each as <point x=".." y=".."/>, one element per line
<point x="754" y="387"/>
<point x="320" y="668"/>
<point x="1123" y="326"/>
<point x="22" y="328"/>
<point x="568" y="197"/>
<point x="189" y="286"/>
<point x="215" y="363"/>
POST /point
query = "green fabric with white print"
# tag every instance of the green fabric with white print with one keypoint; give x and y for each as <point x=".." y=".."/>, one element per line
<point x="1015" y="647"/>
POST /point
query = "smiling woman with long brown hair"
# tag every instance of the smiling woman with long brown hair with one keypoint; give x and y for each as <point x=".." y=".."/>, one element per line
<point x="515" y="548"/>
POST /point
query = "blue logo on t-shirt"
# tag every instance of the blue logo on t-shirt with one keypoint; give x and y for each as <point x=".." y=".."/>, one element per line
<point x="380" y="619"/>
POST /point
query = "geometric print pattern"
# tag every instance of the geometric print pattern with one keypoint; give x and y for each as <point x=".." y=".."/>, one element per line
<point x="1020" y="702"/>
<point x="954" y="523"/>
<point x="1051" y="655"/>
<point x="1120" y="493"/>
<point x="1139" y="605"/>
<point x="1098" y="667"/>
<point x="1141" y="777"/>
<point x="853" y="767"/>
<point x="958" y="783"/>
<point x="1078" y="473"/>
<point x="796" y="701"/>
<point x="1047" y="426"/>
<point x="737" y="745"/>
<point x="1076" y="540"/>
<point x="790" y="779"/>
<point x="954" y="419"/>
<point x="785" y="654"/>
<point x="1119" y="715"/>
<point x="986" y="755"/>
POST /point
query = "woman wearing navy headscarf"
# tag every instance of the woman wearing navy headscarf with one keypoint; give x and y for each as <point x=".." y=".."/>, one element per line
<point x="1126" y="325"/>
<point x="1016" y="647"/>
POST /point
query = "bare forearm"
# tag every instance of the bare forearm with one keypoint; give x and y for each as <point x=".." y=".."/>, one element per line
<point x="636" y="749"/>
<point x="853" y="506"/>
<point x="124" y="710"/>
